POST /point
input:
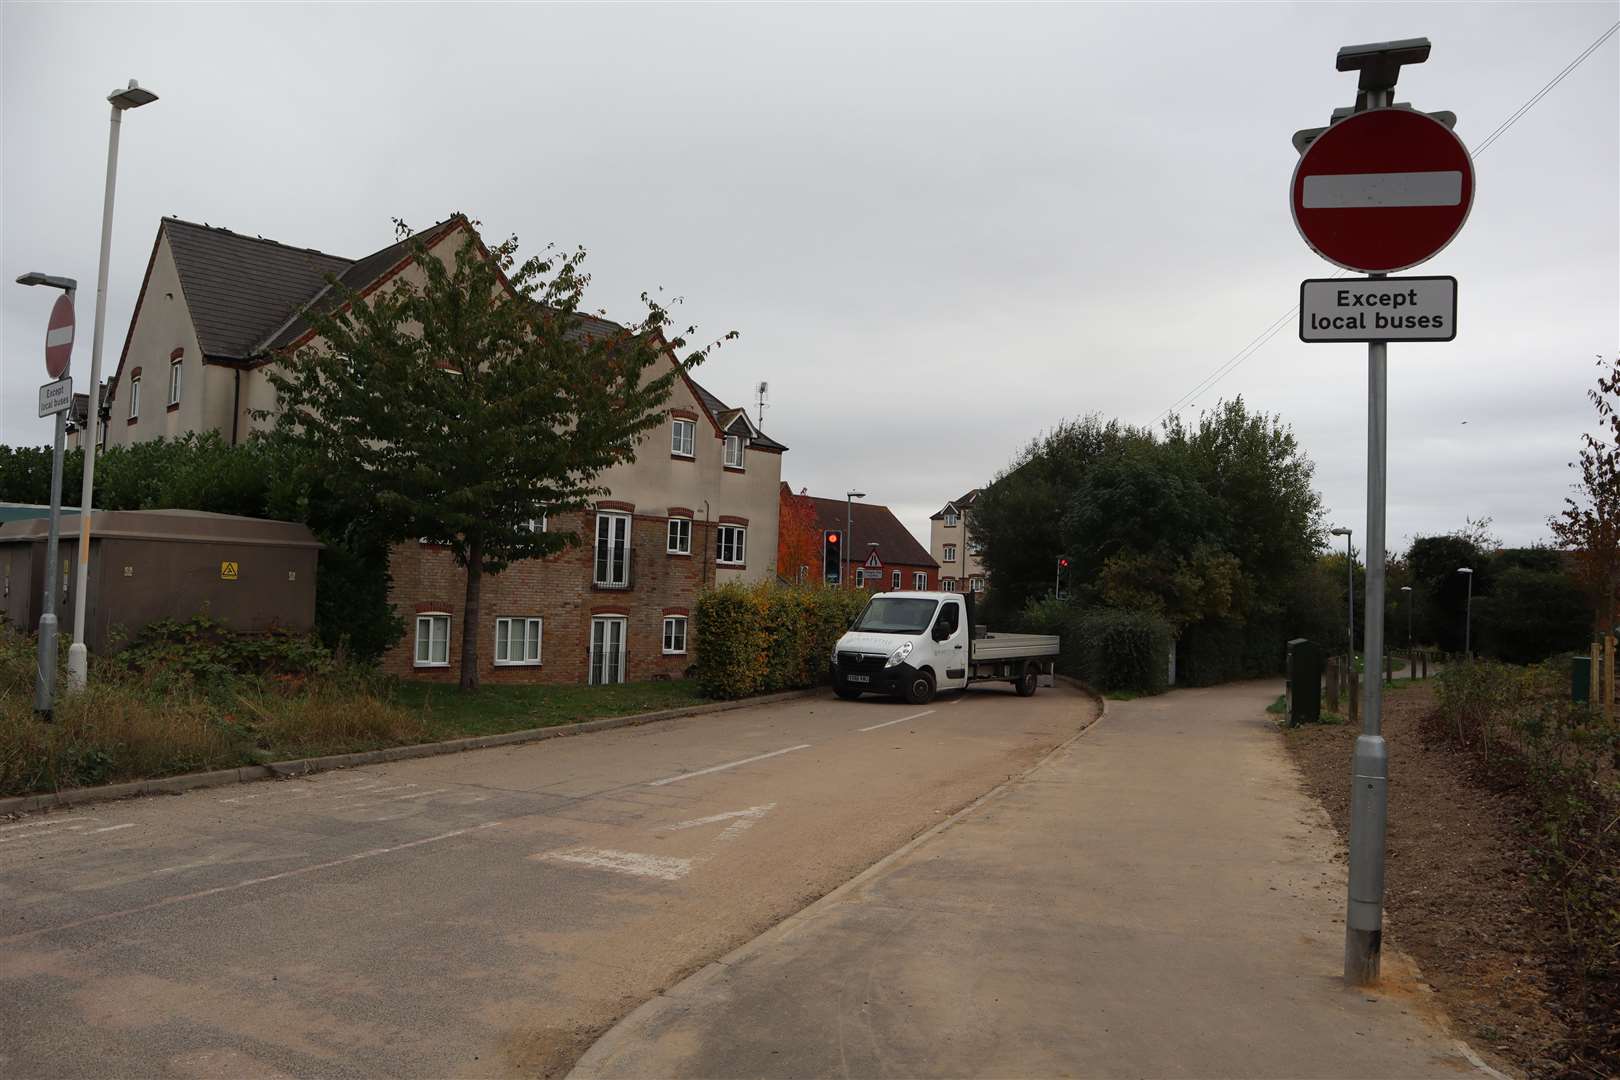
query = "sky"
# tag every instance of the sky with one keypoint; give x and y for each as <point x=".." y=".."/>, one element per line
<point x="938" y="230"/>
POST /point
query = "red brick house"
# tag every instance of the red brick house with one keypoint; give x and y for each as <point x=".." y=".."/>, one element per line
<point x="880" y="554"/>
<point x="698" y="505"/>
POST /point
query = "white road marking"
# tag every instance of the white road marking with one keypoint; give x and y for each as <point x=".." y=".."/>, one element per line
<point x="903" y="719"/>
<point x="114" y="828"/>
<point x="662" y="867"/>
<point x="187" y="866"/>
<point x="43" y="824"/>
<point x="239" y="798"/>
<point x="1346" y="191"/>
<point x="727" y="765"/>
<point x="169" y="901"/>
<point x="40" y="835"/>
<point x="741" y="821"/>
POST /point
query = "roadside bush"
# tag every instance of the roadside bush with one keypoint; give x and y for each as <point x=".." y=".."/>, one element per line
<point x="1108" y="649"/>
<point x="763" y="638"/>
<point x="1564" y="757"/>
<point x="204" y="653"/>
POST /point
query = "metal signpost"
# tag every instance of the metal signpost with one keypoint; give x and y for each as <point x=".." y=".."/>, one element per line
<point x="55" y="397"/>
<point x="1382" y="188"/>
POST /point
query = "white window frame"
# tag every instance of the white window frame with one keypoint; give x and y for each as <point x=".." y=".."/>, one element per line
<point x="976" y="583"/>
<point x="670" y="622"/>
<point x="532" y="631"/>
<point x="537" y="525"/>
<point x="738" y="535"/>
<point x="678" y="446"/>
<point x="738" y="460"/>
<point x="894" y="580"/>
<point x="431" y="618"/>
<point x="947" y="584"/>
<point x="617" y="523"/>
<point x="620" y="661"/>
<point x="950" y="553"/>
<point x="919" y="580"/>
<point x="682" y="544"/>
<point x="952" y="519"/>
<point x="134" y="397"/>
<point x="176" y="370"/>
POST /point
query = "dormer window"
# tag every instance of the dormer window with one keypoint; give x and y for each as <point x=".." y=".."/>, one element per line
<point x="952" y="519"/>
<point x="734" y="452"/>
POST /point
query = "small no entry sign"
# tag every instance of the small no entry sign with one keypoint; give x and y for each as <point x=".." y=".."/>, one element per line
<point x="59" y="338"/>
<point x="1382" y="190"/>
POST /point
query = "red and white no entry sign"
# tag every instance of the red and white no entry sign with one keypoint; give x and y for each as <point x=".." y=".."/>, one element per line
<point x="1382" y="190"/>
<point x="59" y="338"/>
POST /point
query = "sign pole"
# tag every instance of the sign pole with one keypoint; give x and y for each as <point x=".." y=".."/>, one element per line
<point x="45" y="670"/>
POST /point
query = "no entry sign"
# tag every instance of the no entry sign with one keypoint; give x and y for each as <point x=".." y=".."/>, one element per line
<point x="59" y="338"/>
<point x="1382" y="190"/>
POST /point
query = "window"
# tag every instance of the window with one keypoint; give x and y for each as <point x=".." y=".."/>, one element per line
<point x="731" y="545"/>
<point x="950" y="552"/>
<point x="433" y="640"/>
<point x="952" y="519"/>
<point x="978" y="584"/>
<point x="537" y="524"/>
<point x="674" y="635"/>
<point x="517" y="641"/>
<point x="947" y="584"/>
<point x="174" y="381"/>
<point x="734" y="452"/>
<point x="607" y="650"/>
<point x="682" y="438"/>
<point x="613" y="551"/>
<point x="860" y="578"/>
<point x="919" y="581"/>
<point x="894" y="579"/>
<point x="680" y="536"/>
<point x="134" y="396"/>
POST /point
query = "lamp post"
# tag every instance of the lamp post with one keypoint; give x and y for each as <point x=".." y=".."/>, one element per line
<point x="848" y="554"/>
<point x="1468" y="614"/>
<point x="1407" y="589"/>
<point x="45" y="667"/>
<point x="131" y="97"/>
<point x="1350" y="591"/>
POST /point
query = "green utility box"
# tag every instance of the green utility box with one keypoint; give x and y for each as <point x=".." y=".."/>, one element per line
<point x="1580" y="678"/>
<point x="1304" y="682"/>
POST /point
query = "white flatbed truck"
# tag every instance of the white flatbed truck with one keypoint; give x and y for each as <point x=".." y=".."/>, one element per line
<point x="914" y="644"/>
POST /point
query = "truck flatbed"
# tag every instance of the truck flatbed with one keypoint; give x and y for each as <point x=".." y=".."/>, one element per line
<point x="1008" y="646"/>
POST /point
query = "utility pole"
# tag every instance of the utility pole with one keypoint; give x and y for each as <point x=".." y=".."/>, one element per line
<point x="848" y="554"/>
<point x="1468" y="614"/>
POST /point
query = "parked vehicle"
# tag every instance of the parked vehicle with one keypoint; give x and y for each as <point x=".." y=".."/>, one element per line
<point x="912" y="644"/>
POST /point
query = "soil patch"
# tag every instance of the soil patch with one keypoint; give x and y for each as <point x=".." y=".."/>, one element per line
<point x="1459" y="881"/>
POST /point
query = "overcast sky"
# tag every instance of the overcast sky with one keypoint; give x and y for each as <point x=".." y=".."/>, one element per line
<point x="939" y="230"/>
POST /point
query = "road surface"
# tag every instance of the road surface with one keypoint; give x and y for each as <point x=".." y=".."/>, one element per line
<point x="480" y="914"/>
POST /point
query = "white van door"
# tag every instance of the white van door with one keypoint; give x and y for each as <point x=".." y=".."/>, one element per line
<point x="950" y="638"/>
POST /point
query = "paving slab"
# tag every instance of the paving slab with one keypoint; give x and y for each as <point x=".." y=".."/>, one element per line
<point x="1158" y="898"/>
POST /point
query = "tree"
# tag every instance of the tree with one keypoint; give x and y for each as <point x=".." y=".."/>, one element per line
<point x="1589" y="525"/>
<point x="798" y="539"/>
<point x="471" y="398"/>
<point x="1442" y="591"/>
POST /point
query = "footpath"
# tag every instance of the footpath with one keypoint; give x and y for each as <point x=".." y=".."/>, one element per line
<point x="1158" y="898"/>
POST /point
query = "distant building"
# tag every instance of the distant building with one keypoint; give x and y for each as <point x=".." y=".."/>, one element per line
<point x="960" y="569"/>
<point x="879" y="553"/>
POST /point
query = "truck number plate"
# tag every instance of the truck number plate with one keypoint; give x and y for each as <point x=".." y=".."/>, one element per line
<point x="858" y="678"/>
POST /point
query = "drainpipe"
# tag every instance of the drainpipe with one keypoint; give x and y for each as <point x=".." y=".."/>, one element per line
<point x="708" y="543"/>
<point x="236" y="406"/>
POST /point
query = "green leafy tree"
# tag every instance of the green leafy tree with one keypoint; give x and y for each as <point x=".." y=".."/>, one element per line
<point x="1589" y="524"/>
<point x="468" y="400"/>
<point x="1442" y="591"/>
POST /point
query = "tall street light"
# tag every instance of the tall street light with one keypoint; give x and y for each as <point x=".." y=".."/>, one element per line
<point x="1468" y="614"/>
<point x="131" y="97"/>
<point x="1407" y="589"/>
<point x="848" y="554"/>
<point x="1350" y="591"/>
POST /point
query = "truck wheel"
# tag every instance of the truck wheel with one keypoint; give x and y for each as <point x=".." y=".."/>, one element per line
<point x="920" y="688"/>
<point x="848" y="693"/>
<point x="1024" y="685"/>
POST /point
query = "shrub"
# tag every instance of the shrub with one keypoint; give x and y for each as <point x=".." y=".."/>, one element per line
<point x="763" y="638"/>
<point x="1109" y="649"/>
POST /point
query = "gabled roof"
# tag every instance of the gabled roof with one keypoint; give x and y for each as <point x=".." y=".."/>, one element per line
<point x="871" y="522"/>
<point x="956" y="504"/>
<point x="239" y="288"/>
<point x="725" y="418"/>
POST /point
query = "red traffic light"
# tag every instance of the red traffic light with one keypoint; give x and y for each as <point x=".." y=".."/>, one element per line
<point x="832" y="538"/>
<point x="1063" y="563"/>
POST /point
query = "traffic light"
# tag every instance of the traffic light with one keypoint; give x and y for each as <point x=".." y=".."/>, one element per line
<point x="1063" y="563"/>
<point x="832" y="556"/>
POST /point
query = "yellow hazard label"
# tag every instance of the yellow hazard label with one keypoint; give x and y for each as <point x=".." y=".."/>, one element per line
<point x="227" y="571"/>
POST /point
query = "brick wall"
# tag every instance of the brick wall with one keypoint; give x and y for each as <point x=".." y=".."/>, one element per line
<point x="560" y="592"/>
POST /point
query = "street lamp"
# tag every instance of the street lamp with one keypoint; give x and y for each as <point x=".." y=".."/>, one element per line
<point x="1468" y="614"/>
<point x="1350" y="591"/>
<point x="132" y="96"/>
<point x="1407" y="589"/>
<point x="45" y="667"/>
<point x="849" y="530"/>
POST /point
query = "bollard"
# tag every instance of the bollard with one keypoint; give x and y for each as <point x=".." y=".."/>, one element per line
<point x="1353" y="683"/>
<point x="1332" y="681"/>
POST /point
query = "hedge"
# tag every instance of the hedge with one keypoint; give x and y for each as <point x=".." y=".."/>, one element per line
<point x="1106" y="648"/>
<point x="764" y="638"/>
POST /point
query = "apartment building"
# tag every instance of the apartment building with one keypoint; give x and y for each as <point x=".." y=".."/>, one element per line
<point x="697" y="506"/>
<point x="959" y="567"/>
